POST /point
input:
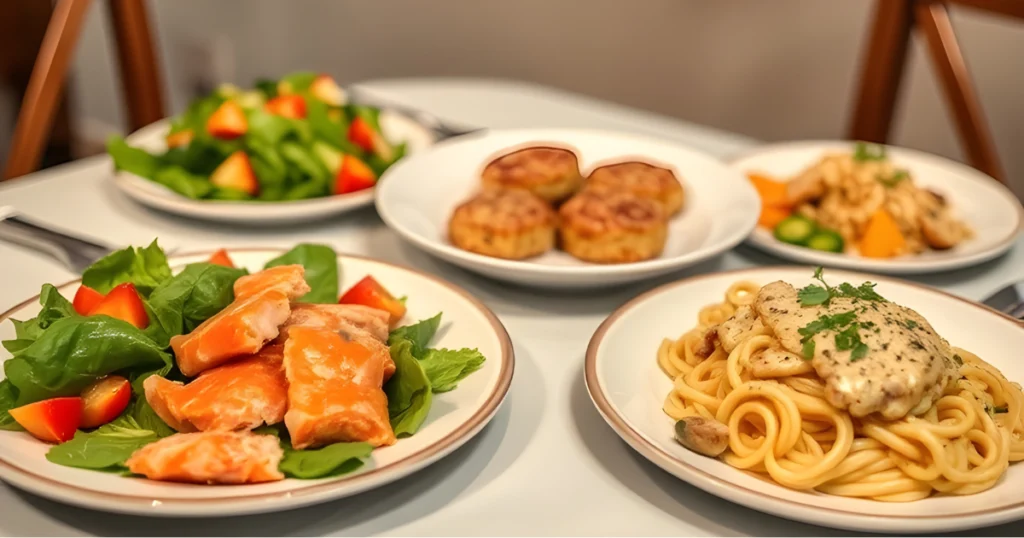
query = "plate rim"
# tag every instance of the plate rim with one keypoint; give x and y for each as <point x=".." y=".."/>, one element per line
<point x="907" y="266"/>
<point x="741" y="495"/>
<point x="734" y="237"/>
<point x="312" y="493"/>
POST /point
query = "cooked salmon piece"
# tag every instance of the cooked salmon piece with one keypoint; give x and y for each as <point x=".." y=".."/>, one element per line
<point x="240" y="329"/>
<point x="210" y="458"/>
<point x="287" y="279"/>
<point x="241" y="395"/>
<point x="358" y="323"/>
<point x="334" y="390"/>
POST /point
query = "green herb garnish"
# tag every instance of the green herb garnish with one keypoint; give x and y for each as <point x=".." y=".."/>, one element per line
<point x="1000" y="409"/>
<point x="959" y="360"/>
<point x="894" y="179"/>
<point x="866" y="151"/>
<point x="814" y="294"/>
<point x="910" y="324"/>
<point x="824" y="323"/>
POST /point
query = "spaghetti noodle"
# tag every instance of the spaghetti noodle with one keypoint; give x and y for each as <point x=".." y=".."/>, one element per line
<point x="782" y="424"/>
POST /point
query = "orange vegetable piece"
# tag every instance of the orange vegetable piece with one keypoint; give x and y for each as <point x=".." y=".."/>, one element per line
<point x="104" y="400"/>
<point x="54" y="420"/>
<point x="882" y="238"/>
<point x="771" y="191"/>
<point x="771" y="216"/>
<point x="86" y="300"/>
<point x="124" y="303"/>
<point x="221" y="258"/>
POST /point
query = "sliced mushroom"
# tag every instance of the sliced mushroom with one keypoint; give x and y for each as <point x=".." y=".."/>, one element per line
<point x="940" y="230"/>
<point x="704" y="436"/>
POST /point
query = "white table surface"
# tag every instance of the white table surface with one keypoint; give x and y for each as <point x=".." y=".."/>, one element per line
<point x="547" y="464"/>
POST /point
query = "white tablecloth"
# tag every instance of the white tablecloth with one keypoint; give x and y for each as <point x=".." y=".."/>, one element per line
<point x="547" y="464"/>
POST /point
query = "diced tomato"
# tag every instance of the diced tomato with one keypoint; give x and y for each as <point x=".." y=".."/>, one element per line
<point x="180" y="138"/>
<point x="104" y="400"/>
<point x="236" y="173"/>
<point x="124" y="303"/>
<point x="288" y="106"/>
<point x="54" y="420"/>
<point x="369" y="292"/>
<point x="221" y="258"/>
<point x="353" y="176"/>
<point x="361" y="134"/>
<point x="227" y="122"/>
<point x="86" y="300"/>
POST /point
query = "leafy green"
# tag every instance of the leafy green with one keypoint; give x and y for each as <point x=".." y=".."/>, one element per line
<point x="229" y="194"/>
<point x="865" y="151"/>
<point x="143" y="414"/>
<point x="814" y="295"/>
<point x="183" y="182"/>
<point x="419" y="334"/>
<point x="331" y="460"/>
<point x="408" y="391"/>
<point x="894" y="179"/>
<point x="54" y="307"/>
<point x="132" y="160"/>
<point x="298" y="82"/>
<point x="8" y="397"/>
<point x="145" y="267"/>
<point x="446" y="367"/>
<point x="321" y="264"/>
<point x="180" y="304"/>
<point x="104" y="449"/>
<point x="822" y="324"/>
<point x="75" y="351"/>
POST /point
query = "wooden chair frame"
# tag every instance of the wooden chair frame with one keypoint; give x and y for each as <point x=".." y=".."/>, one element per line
<point x="882" y="70"/>
<point x="140" y="76"/>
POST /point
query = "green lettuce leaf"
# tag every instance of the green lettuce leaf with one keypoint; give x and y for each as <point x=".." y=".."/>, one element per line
<point x="104" y="449"/>
<point x="180" y="304"/>
<point x="145" y="267"/>
<point x="54" y="307"/>
<point x="446" y="367"/>
<point x="75" y="351"/>
<point x="408" y="391"/>
<point x="420" y="334"/>
<point x="321" y="263"/>
<point x="8" y="396"/>
<point x="147" y="419"/>
<point x="132" y="160"/>
<point x="331" y="460"/>
<point x="184" y="182"/>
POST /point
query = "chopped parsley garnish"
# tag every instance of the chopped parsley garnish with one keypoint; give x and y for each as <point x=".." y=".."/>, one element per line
<point x="866" y="151"/>
<point x="894" y="179"/>
<point x="831" y="323"/>
<point x="959" y="360"/>
<point x="910" y="324"/>
<point x="814" y="294"/>
<point x="1000" y="409"/>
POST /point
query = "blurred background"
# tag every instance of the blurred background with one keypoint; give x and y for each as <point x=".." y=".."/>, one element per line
<point x="785" y="69"/>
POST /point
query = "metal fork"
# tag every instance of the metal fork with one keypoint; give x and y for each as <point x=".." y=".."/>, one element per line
<point x="73" y="252"/>
<point x="1009" y="300"/>
<point x="439" y="127"/>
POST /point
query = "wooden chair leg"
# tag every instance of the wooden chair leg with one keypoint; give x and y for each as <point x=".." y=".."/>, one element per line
<point x="933" y="21"/>
<point x="140" y="72"/>
<point x="882" y="70"/>
<point x="44" y="88"/>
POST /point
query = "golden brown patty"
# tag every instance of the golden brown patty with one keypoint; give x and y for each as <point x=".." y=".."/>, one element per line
<point x="612" y="226"/>
<point x="551" y="173"/>
<point x="642" y="179"/>
<point x="511" y="224"/>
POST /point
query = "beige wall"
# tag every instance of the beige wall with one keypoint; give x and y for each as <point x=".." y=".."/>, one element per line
<point x="772" y="69"/>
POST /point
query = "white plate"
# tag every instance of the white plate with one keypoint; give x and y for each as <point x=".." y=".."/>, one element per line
<point x="418" y="195"/>
<point x="629" y="389"/>
<point x="455" y="417"/>
<point x="990" y="208"/>
<point x="396" y="128"/>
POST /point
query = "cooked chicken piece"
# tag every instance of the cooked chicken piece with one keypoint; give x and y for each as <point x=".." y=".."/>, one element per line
<point x="287" y="279"/>
<point x="808" y="186"/>
<point x="334" y="390"/>
<point x="906" y="366"/>
<point x="707" y="342"/>
<point x="357" y="323"/>
<point x="732" y="330"/>
<point x="210" y="458"/>
<point x="704" y="436"/>
<point x="778" y="363"/>
<point x="241" y="395"/>
<point x="240" y="329"/>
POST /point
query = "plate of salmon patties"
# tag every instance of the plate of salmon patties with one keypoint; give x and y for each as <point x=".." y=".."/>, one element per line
<point x="567" y="208"/>
<point x="241" y="381"/>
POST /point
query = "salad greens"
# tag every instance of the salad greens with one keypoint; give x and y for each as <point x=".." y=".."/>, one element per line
<point x="293" y="136"/>
<point x="59" y="352"/>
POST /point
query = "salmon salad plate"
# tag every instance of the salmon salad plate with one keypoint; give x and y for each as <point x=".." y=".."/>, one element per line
<point x="241" y="382"/>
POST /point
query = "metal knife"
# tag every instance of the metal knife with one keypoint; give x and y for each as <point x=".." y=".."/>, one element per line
<point x="73" y="252"/>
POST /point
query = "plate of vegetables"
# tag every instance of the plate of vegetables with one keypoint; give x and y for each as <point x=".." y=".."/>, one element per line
<point x="241" y="382"/>
<point x="289" y="150"/>
<point x="877" y="208"/>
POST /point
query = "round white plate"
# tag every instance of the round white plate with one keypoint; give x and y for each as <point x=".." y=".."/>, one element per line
<point x="418" y="195"/>
<point x="991" y="209"/>
<point x="629" y="389"/>
<point x="397" y="128"/>
<point x="454" y="418"/>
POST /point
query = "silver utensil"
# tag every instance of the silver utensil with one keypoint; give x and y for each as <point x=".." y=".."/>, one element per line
<point x="442" y="129"/>
<point x="1009" y="300"/>
<point x="73" y="252"/>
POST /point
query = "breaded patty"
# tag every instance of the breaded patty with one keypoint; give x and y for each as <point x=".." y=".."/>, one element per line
<point x="511" y="224"/>
<point x="551" y="173"/>
<point x="612" y="226"/>
<point x="642" y="179"/>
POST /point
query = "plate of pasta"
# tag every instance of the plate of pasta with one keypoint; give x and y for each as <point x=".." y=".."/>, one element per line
<point x="877" y="208"/>
<point x="826" y="397"/>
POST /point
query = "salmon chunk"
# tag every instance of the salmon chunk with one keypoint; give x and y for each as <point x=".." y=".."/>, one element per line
<point x="362" y="324"/>
<point x="241" y="395"/>
<point x="287" y="279"/>
<point x="210" y="458"/>
<point x="334" y="390"/>
<point x="240" y="329"/>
